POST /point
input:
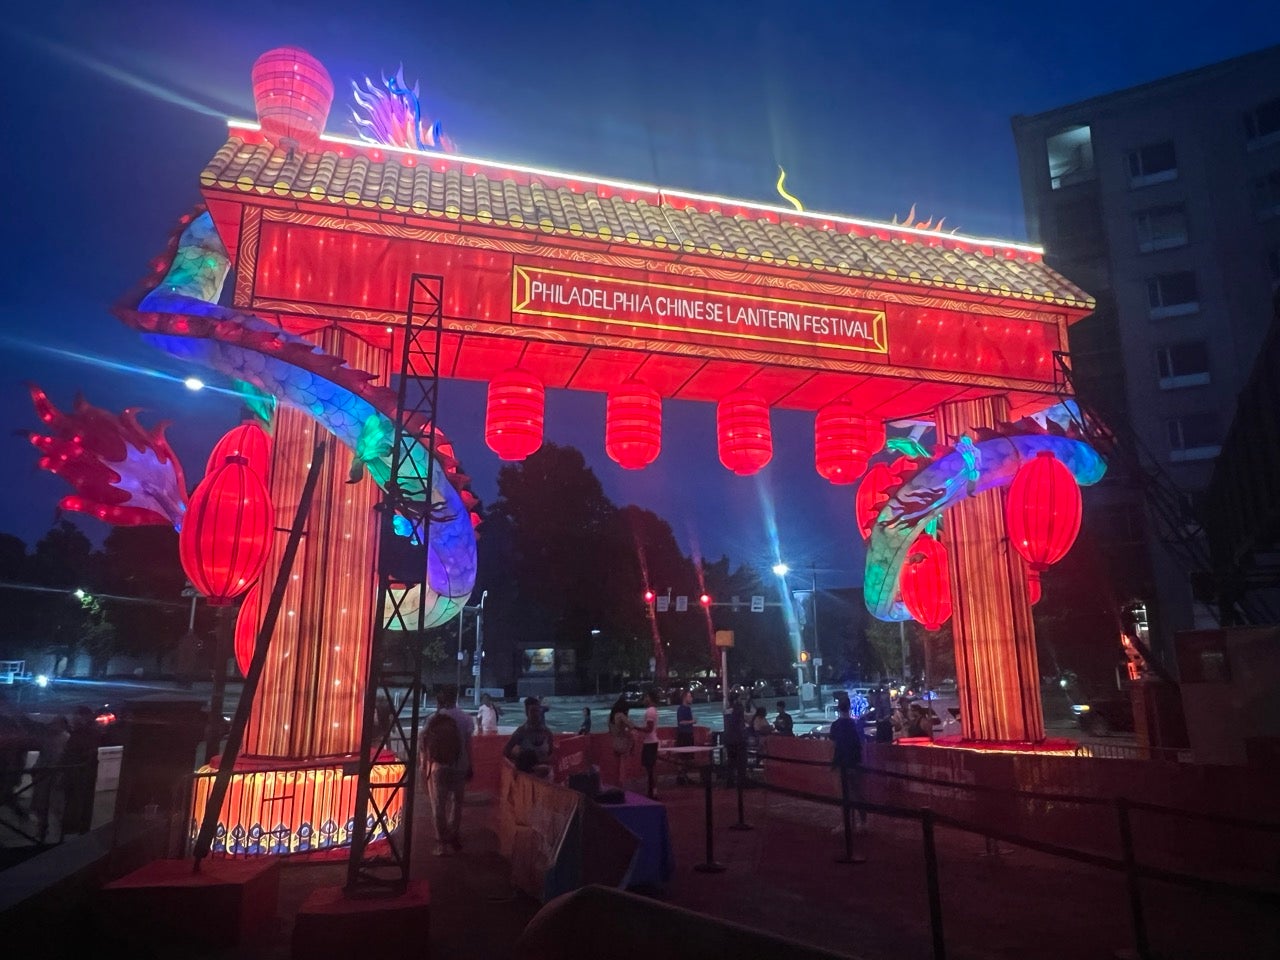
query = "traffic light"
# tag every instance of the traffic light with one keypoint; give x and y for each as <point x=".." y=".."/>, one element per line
<point x="804" y="656"/>
<point x="705" y="599"/>
<point x="648" y="596"/>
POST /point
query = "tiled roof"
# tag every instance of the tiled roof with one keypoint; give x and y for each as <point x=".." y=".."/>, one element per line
<point x="436" y="186"/>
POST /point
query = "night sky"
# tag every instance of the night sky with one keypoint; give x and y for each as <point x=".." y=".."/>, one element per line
<point x="112" y="109"/>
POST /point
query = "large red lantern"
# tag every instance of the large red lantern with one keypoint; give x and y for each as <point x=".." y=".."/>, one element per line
<point x="743" y="432"/>
<point x="633" y="425"/>
<point x="843" y="441"/>
<point x="246" y="637"/>
<point x="248" y="440"/>
<point x="293" y="93"/>
<point x="926" y="583"/>
<point x="225" y="534"/>
<point x="514" y="414"/>
<point x="1043" y="510"/>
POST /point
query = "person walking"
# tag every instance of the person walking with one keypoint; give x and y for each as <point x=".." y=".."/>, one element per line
<point x="487" y="715"/>
<point x="846" y="757"/>
<point x="649" y="750"/>
<point x="446" y="760"/>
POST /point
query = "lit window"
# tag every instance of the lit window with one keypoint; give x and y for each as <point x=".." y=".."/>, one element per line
<point x="1262" y="124"/>
<point x="1070" y="156"/>
<point x="1265" y="192"/>
<point x="1172" y="294"/>
<point x="1161" y="228"/>
<point x="1183" y="365"/>
<point x="1194" y="437"/>
<point x="1154" y="163"/>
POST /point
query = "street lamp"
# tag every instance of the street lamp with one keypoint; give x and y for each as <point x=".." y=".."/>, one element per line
<point x="781" y="569"/>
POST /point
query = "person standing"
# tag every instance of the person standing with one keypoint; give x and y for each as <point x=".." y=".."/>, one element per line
<point x="446" y="760"/>
<point x="846" y="757"/>
<point x="585" y="727"/>
<point x="487" y="715"/>
<point x="620" y="739"/>
<point x="782" y="723"/>
<point x="80" y="757"/>
<point x="649" y="750"/>
<point x="684" y="733"/>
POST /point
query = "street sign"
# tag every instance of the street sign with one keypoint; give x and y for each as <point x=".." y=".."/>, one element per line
<point x="735" y="603"/>
<point x="664" y="604"/>
<point x="682" y="604"/>
<point x="817" y="661"/>
<point x="724" y="638"/>
<point x="190" y="592"/>
<point x="653" y="664"/>
<point x="757" y="604"/>
<point x="475" y="669"/>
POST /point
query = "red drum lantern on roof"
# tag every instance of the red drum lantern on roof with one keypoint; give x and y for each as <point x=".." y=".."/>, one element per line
<point x="843" y="441"/>
<point x="293" y="94"/>
<point x="926" y="583"/>
<point x="1043" y="511"/>
<point x="224" y="537"/>
<point x="743" y="432"/>
<point x="514" y="414"/>
<point x="248" y="440"/>
<point x="633" y="425"/>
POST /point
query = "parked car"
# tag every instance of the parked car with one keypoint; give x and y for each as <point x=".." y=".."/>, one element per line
<point x="1104" y="716"/>
<point x="633" y="693"/>
<point x="701" y="692"/>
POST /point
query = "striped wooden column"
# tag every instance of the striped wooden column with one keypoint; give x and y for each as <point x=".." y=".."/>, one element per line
<point x="311" y="696"/>
<point x="997" y="669"/>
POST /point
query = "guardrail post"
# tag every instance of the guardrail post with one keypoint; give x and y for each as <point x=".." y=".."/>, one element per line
<point x="710" y="865"/>
<point x="1131" y="872"/>
<point x="846" y="816"/>
<point x="931" y="885"/>
<point x="740" y="776"/>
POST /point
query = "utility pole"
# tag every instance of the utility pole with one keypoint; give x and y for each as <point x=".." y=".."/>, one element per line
<point x="817" y="652"/>
<point x="476" y="668"/>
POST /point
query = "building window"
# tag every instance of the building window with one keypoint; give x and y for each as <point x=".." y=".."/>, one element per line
<point x="1194" y="437"/>
<point x="1172" y="294"/>
<point x="1266" y="195"/>
<point x="1161" y="228"/>
<point x="1183" y="365"/>
<point x="1077" y="223"/>
<point x="1154" y="163"/>
<point x="1262" y="124"/>
<point x="1070" y="157"/>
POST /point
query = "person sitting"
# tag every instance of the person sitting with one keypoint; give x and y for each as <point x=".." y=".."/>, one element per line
<point x="531" y="745"/>
<point x="919" y="722"/>
<point x="782" y="723"/>
<point x="585" y="727"/>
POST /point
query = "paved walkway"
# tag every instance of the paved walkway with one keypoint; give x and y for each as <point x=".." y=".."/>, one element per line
<point x="782" y="877"/>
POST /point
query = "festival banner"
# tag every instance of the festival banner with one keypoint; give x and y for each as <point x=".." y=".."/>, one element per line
<point x="740" y="313"/>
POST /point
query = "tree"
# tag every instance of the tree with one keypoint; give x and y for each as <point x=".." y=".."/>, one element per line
<point x="141" y="563"/>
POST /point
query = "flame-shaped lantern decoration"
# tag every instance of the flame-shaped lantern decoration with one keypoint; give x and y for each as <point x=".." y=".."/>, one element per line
<point x="926" y="583"/>
<point x="633" y="425"/>
<point x="843" y="441"/>
<point x="1043" y="510"/>
<point x="223" y="542"/>
<point x="880" y="483"/>
<point x="514" y="414"/>
<point x="293" y="94"/>
<point x="744" y="433"/>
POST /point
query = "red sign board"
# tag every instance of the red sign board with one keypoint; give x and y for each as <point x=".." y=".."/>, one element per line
<point x="740" y="313"/>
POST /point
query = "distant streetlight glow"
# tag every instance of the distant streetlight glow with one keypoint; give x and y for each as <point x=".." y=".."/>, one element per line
<point x="79" y="594"/>
<point x="193" y="383"/>
<point x="781" y="569"/>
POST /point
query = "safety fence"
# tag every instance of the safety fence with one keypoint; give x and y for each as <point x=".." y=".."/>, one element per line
<point x="34" y="802"/>
<point x="1127" y="863"/>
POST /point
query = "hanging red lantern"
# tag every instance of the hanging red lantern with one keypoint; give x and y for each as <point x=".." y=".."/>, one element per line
<point x="926" y="583"/>
<point x="514" y="414"/>
<point x="1034" y="590"/>
<point x="224" y="537"/>
<point x="633" y="425"/>
<point x="843" y="441"/>
<point x="293" y="94"/>
<point x="248" y="440"/>
<point x="1043" y="510"/>
<point x="246" y="638"/>
<point x="743" y="432"/>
